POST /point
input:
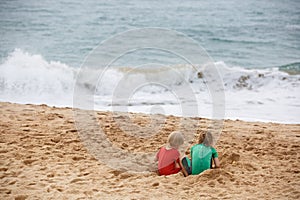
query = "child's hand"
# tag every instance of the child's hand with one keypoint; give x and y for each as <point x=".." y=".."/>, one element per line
<point x="177" y="165"/>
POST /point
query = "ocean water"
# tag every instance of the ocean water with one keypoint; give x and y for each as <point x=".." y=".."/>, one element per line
<point x="254" y="44"/>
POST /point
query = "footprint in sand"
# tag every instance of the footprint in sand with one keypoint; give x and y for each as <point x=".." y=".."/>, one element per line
<point x="21" y="197"/>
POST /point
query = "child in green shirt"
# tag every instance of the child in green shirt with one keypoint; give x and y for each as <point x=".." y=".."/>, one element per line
<point x="203" y="155"/>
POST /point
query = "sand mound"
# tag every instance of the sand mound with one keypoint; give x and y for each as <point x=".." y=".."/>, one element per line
<point x="44" y="157"/>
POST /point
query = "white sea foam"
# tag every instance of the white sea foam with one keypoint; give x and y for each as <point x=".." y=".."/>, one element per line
<point x="26" y="78"/>
<point x="251" y="94"/>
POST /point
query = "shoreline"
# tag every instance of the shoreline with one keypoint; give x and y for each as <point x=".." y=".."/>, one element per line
<point x="167" y="115"/>
<point x="43" y="156"/>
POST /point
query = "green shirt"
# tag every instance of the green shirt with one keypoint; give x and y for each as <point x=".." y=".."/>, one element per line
<point x="201" y="157"/>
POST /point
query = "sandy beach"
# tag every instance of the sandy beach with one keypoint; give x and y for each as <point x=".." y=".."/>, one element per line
<point x="43" y="157"/>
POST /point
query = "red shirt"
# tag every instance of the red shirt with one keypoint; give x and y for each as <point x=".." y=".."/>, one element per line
<point x="166" y="161"/>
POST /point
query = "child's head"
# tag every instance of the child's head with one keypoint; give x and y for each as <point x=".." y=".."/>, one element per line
<point x="175" y="139"/>
<point x="206" y="139"/>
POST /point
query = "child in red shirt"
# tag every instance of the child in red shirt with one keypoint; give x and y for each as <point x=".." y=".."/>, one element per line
<point x="169" y="157"/>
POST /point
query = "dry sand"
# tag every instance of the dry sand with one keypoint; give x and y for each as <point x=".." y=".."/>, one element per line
<point x="43" y="157"/>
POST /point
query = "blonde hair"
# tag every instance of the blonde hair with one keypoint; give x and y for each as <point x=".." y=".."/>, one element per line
<point x="175" y="139"/>
<point x="206" y="138"/>
<point x="201" y="138"/>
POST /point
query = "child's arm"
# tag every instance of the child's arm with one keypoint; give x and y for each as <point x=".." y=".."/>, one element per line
<point x="217" y="162"/>
<point x="177" y="165"/>
<point x="215" y="158"/>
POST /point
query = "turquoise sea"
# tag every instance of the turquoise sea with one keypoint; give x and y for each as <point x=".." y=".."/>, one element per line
<point x="43" y="44"/>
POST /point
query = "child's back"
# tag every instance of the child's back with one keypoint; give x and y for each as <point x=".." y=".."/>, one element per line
<point x="169" y="157"/>
<point x="201" y="157"/>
